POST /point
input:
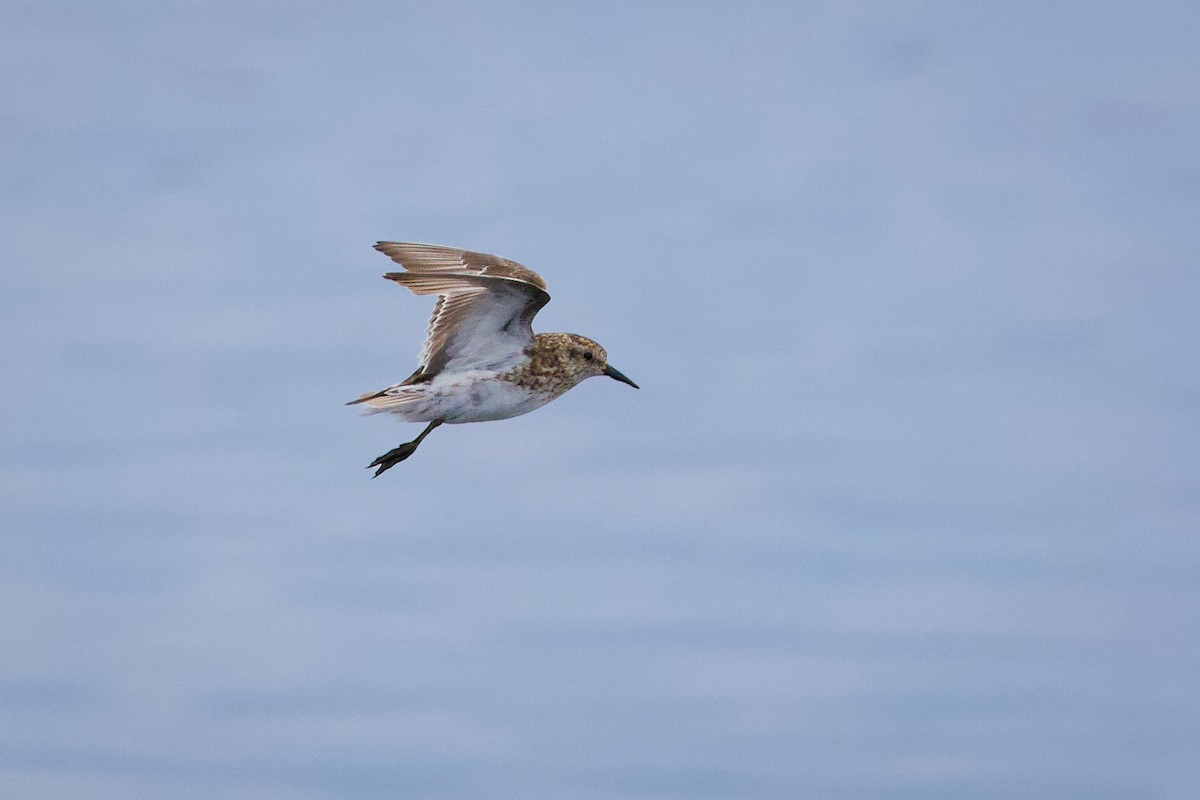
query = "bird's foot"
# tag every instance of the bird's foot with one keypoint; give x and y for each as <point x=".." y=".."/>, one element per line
<point x="393" y="457"/>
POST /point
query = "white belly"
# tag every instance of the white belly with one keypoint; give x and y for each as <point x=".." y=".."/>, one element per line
<point x="469" y="397"/>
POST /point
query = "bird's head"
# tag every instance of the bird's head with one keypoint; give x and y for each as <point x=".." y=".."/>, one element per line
<point x="582" y="358"/>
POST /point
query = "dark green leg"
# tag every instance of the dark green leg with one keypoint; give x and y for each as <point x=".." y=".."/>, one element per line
<point x="394" y="456"/>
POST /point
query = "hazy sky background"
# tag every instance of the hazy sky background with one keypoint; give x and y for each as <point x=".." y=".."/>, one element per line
<point x="907" y="506"/>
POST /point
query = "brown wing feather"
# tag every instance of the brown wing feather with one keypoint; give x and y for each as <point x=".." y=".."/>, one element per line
<point x="432" y="258"/>
<point x="484" y="302"/>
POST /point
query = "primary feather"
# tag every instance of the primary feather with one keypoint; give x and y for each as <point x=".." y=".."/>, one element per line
<point x="486" y="305"/>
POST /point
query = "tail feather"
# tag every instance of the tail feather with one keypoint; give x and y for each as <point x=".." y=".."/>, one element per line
<point x="367" y="396"/>
<point x="393" y="398"/>
<point x="420" y="376"/>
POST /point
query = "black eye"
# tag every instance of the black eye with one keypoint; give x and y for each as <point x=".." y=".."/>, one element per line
<point x="587" y="355"/>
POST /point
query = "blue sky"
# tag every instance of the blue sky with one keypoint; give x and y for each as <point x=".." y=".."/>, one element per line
<point x="906" y="506"/>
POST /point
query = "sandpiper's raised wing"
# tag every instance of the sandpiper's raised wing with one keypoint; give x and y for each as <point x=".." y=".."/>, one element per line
<point x="485" y="305"/>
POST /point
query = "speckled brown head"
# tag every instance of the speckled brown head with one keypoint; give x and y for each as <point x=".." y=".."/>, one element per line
<point x="559" y="361"/>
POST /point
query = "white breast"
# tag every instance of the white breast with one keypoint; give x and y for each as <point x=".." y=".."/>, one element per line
<point x="481" y="397"/>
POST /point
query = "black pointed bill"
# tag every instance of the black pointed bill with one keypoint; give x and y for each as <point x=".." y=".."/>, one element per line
<point x="616" y="375"/>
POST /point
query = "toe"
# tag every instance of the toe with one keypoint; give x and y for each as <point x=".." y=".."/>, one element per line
<point x="391" y="458"/>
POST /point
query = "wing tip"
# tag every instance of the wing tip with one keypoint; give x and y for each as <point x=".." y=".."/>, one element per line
<point x="390" y="249"/>
<point x="436" y="258"/>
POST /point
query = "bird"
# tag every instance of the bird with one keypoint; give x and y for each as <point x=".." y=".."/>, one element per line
<point x="481" y="360"/>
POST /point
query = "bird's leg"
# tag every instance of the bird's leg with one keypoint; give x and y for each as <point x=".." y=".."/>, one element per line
<point x="394" y="456"/>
